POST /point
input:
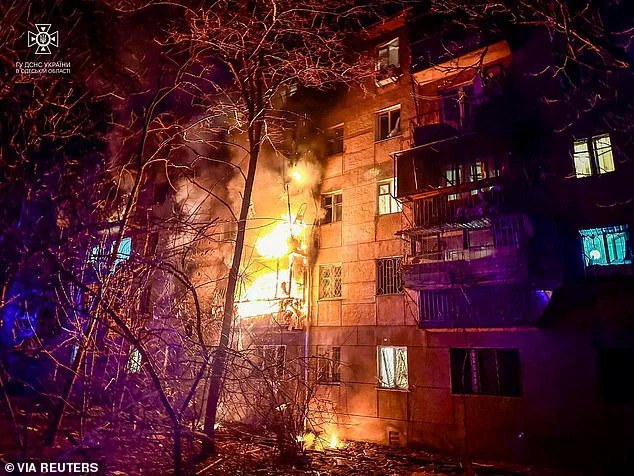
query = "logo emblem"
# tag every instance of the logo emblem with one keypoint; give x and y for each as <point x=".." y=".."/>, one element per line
<point x="43" y="39"/>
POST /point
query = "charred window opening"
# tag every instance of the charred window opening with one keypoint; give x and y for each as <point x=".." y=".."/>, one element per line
<point x="335" y="140"/>
<point x="330" y="281"/>
<point x="388" y="123"/>
<point x="593" y="156"/>
<point x="485" y="372"/>
<point x="329" y="364"/>
<point x="392" y="367"/>
<point x="387" y="198"/>
<point x="332" y="205"/>
<point x="389" y="277"/>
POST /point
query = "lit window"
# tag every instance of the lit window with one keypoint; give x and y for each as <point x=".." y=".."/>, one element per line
<point x="388" y="123"/>
<point x="335" y="140"/>
<point x="124" y="251"/>
<point x="593" y="156"/>
<point x="134" y="361"/>
<point x="388" y="56"/>
<point x="332" y="205"/>
<point x="329" y="281"/>
<point x="388" y="276"/>
<point x="606" y="246"/>
<point x="387" y="200"/>
<point x="328" y="364"/>
<point x="485" y="371"/>
<point x="453" y="177"/>
<point x="392" y="367"/>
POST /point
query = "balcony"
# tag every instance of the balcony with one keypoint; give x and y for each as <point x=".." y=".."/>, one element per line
<point x="462" y="206"/>
<point x="473" y="266"/>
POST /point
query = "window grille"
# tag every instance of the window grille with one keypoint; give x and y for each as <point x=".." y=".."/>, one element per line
<point x="389" y="277"/>
<point x="329" y="281"/>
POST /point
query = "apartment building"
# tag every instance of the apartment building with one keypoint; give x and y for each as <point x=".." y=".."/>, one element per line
<point x="470" y="291"/>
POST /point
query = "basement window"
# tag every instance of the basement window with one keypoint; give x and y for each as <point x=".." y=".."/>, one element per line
<point x="389" y="279"/>
<point x="328" y="364"/>
<point x="485" y="372"/>
<point x="388" y="123"/>
<point x="606" y="246"/>
<point x="329" y="281"/>
<point x="387" y="198"/>
<point x="332" y="205"/>
<point x="593" y="156"/>
<point x="392" y="367"/>
<point x="335" y="140"/>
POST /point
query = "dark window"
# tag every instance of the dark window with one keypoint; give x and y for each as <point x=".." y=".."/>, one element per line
<point x="329" y="281"/>
<point x="389" y="278"/>
<point x="335" y="140"/>
<point x="332" y="205"/>
<point x="388" y="124"/>
<point x="485" y="372"/>
<point x="329" y="364"/>
<point x="456" y="106"/>
<point x="615" y="369"/>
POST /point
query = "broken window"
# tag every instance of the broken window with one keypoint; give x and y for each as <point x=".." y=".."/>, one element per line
<point x="335" y="140"/>
<point x="328" y="364"/>
<point x="606" y="246"/>
<point x="388" y="123"/>
<point x="615" y="365"/>
<point x="332" y="205"/>
<point x="392" y="367"/>
<point x="329" y="281"/>
<point x="593" y="156"/>
<point x="272" y="360"/>
<point x="387" y="198"/>
<point x="388" y="56"/>
<point x="389" y="279"/>
<point x="485" y="371"/>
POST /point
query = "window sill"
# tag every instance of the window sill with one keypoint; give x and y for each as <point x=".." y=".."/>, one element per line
<point x="330" y="223"/>
<point x="393" y="389"/>
<point x="389" y="214"/>
<point x="330" y="299"/>
<point x="391" y="294"/>
<point x="378" y="141"/>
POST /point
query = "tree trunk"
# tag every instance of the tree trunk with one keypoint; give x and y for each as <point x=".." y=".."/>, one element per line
<point x="220" y="357"/>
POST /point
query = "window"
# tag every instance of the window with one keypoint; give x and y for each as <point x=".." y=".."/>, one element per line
<point x="392" y="367"/>
<point x="134" y="361"/>
<point x="606" y="246"/>
<point x="615" y="369"/>
<point x="329" y="364"/>
<point x="334" y="136"/>
<point x="387" y="200"/>
<point x="453" y="177"/>
<point x="388" y="56"/>
<point x="388" y="123"/>
<point x="593" y="156"/>
<point x="389" y="279"/>
<point x="332" y="205"/>
<point x="485" y="372"/>
<point x="272" y="360"/>
<point x="456" y="106"/>
<point x="124" y="251"/>
<point x="329" y="281"/>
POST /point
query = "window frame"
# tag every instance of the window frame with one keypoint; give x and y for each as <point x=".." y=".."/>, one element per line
<point x="391" y="127"/>
<point x="589" y="159"/>
<point x="603" y="232"/>
<point x="388" y="47"/>
<point x="394" y="204"/>
<point x="476" y="358"/>
<point x="335" y="207"/>
<point x="332" y="138"/>
<point x="328" y="360"/>
<point x="381" y="383"/>
<point x="335" y="278"/>
<point x="396" y="263"/>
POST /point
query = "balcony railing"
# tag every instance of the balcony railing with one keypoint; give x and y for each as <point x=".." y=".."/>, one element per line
<point x="455" y="207"/>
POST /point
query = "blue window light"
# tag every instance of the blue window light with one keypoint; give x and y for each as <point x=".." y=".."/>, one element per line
<point x="606" y="246"/>
<point x="124" y="251"/>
